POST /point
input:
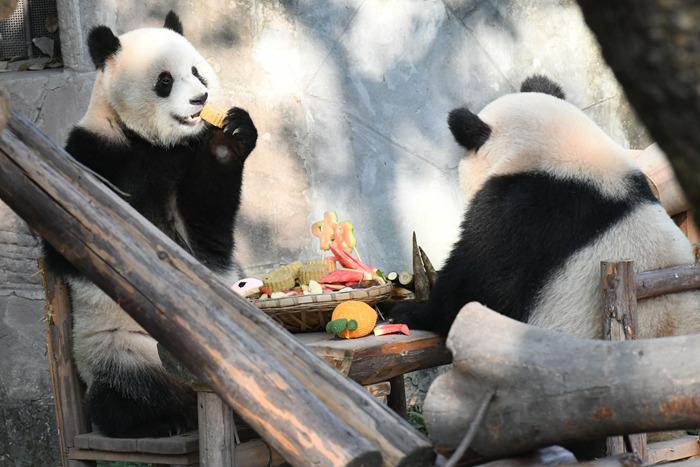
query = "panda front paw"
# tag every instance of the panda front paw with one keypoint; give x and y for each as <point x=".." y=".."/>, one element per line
<point x="239" y="126"/>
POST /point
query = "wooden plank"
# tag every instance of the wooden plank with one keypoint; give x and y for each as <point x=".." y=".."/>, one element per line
<point x="285" y="392"/>
<point x="104" y="443"/>
<point x="380" y="358"/>
<point x="673" y="450"/>
<point x="662" y="281"/>
<point x="178" y="444"/>
<point x="183" y="459"/>
<point x="66" y="388"/>
<point x="620" y="323"/>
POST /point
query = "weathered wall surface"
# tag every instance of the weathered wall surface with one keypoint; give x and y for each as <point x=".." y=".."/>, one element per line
<point x="350" y="98"/>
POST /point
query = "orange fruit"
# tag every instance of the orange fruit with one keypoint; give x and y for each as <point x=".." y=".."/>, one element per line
<point x="362" y="313"/>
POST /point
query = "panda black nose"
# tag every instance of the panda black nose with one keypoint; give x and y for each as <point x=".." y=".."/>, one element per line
<point x="199" y="100"/>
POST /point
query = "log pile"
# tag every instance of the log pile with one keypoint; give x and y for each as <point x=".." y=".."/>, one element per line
<point x="552" y="388"/>
<point x="306" y="410"/>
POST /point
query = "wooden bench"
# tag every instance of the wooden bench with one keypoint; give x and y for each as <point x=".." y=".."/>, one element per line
<point x="375" y="362"/>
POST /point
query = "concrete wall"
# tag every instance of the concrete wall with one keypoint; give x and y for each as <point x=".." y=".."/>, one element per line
<point x="350" y="98"/>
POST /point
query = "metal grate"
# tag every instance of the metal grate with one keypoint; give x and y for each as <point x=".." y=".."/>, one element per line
<point x="14" y="40"/>
<point x="31" y="19"/>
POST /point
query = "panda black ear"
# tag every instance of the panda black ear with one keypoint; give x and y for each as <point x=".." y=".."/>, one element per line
<point x="540" y="83"/>
<point x="468" y="129"/>
<point x="172" y="21"/>
<point x="102" y="44"/>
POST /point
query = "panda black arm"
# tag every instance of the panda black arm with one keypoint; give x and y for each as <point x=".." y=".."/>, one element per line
<point x="97" y="153"/>
<point x="209" y="195"/>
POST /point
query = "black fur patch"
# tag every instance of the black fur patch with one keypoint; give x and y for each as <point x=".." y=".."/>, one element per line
<point x="102" y="44"/>
<point x="468" y="129"/>
<point x="207" y="189"/>
<point x="144" y="402"/>
<point x="518" y="230"/>
<point x="540" y="83"/>
<point x="196" y="74"/>
<point x="172" y="21"/>
<point x="164" y="84"/>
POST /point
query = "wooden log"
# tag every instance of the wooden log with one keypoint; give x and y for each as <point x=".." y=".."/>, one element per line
<point x="662" y="281"/>
<point x="620" y="323"/>
<point x="656" y="167"/>
<point x="66" y="388"/>
<point x="421" y="286"/>
<point x="406" y="279"/>
<point x="553" y="388"/>
<point x="299" y="404"/>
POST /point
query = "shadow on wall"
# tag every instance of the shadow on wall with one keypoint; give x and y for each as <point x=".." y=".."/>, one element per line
<point x="351" y="99"/>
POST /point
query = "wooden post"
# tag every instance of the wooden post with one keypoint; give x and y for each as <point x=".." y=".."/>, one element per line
<point x="619" y="324"/>
<point x="301" y="406"/>
<point x="397" y="397"/>
<point x="66" y="388"/>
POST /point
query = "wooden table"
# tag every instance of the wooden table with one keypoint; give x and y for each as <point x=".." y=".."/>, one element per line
<point x="370" y="361"/>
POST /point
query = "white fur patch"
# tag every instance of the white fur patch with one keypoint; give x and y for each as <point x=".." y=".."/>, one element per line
<point x="572" y="301"/>
<point x="103" y="332"/>
<point x="222" y="153"/>
<point x="539" y="132"/>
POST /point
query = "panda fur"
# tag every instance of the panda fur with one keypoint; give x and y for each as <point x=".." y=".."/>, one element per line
<point x="143" y="135"/>
<point x="550" y="196"/>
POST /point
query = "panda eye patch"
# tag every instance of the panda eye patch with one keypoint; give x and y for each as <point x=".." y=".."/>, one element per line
<point x="164" y="84"/>
<point x="195" y="72"/>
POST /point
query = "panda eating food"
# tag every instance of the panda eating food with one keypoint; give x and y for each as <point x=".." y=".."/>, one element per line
<point x="550" y="196"/>
<point x="142" y="133"/>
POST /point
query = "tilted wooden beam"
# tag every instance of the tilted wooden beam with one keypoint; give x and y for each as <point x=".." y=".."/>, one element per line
<point x="307" y="411"/>
<point x="552" y="388"/>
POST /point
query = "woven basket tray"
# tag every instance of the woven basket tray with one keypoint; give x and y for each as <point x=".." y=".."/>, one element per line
<point x="308" y="313"/>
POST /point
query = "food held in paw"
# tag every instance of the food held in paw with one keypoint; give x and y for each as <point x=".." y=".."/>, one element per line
<point x="214" y="115"/>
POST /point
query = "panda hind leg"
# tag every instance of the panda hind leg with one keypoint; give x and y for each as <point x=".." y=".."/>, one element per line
<point x="141" y="402"/>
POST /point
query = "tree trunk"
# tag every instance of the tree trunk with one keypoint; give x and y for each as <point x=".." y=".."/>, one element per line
<point x="553" y="388"/>
<point x="653" y="47"/>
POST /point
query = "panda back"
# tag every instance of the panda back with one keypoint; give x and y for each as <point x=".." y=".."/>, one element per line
<point x="521" y="229"/>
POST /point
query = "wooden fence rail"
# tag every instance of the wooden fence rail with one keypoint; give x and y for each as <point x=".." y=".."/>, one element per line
<point x="662" y="281"/>
<point x="307" y="411"/>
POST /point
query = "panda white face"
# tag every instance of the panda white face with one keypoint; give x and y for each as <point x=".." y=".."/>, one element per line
<point x="155" y="81"/>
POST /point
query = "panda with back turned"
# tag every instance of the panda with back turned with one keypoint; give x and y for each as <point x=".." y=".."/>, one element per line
<point x="550" y="196"/>
<point x="142" y="133"/>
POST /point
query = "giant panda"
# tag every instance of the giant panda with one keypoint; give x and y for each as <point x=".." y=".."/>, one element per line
<point x="143" y="135"/>
<point x="550" y="196"/>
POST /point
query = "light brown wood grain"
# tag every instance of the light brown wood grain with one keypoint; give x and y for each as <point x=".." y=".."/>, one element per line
<point x="668" y="280"/>
<point x="552" y="387"/>
<point x="304" y="408"/>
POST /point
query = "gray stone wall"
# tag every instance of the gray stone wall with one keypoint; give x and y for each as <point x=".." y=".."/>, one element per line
<point x="350" y="98"/>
